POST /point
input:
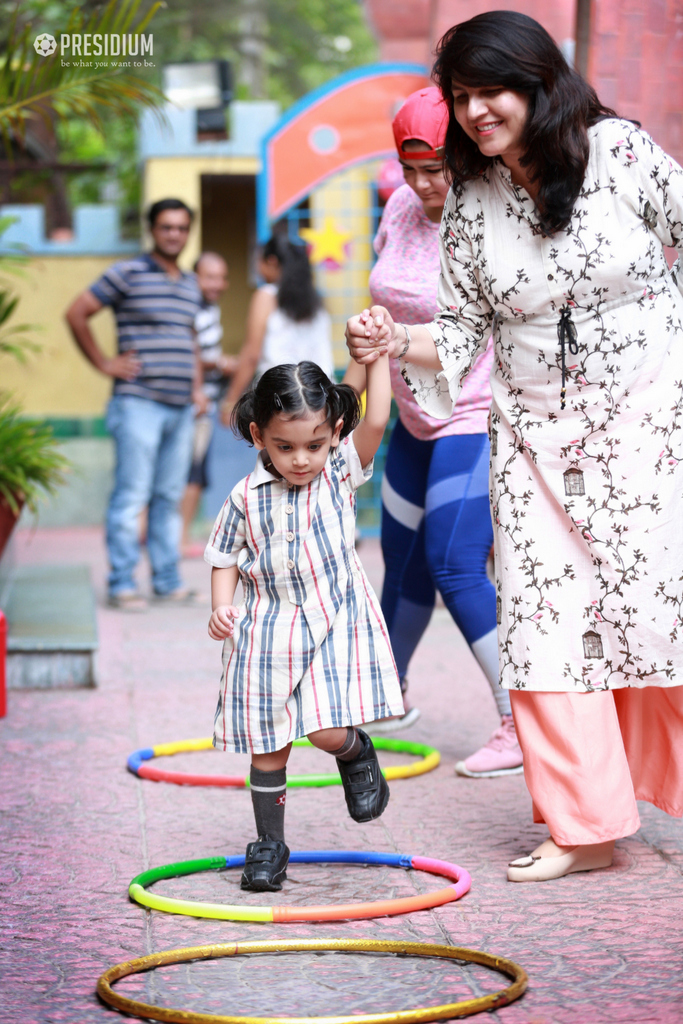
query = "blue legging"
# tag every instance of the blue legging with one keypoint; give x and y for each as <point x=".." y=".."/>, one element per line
<point x="437" y="534"/>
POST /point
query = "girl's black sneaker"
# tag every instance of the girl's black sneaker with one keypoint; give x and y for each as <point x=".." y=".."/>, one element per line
<point x="265" y="866"/>
<point x="365" y="788"/>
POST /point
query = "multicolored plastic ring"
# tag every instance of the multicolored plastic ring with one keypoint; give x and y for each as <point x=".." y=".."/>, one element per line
<point x="136" y="764"/>
<point x="280" y="915"/>
<point x="421" y="1015"/>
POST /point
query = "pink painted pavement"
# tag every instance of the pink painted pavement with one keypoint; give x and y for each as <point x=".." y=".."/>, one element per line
<point x="76" y="827"/>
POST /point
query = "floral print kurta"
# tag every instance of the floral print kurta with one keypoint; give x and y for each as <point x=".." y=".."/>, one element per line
<point x="587" y="501"/>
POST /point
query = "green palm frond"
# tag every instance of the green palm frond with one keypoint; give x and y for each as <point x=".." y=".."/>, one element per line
<point x="30" y="459"/>
<point x="31" y="84"/>
<point x="15" y="339"/>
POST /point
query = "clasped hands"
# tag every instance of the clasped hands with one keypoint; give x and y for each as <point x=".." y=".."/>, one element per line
<point x="372" y="334"/>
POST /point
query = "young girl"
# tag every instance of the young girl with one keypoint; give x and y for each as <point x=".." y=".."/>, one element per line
<point x="307" y="652"/>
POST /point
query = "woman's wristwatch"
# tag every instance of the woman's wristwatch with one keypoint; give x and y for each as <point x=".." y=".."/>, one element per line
<point x="407" y="344"/>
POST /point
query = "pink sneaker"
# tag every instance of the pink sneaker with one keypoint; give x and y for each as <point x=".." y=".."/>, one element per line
<point x="502" y="755"/>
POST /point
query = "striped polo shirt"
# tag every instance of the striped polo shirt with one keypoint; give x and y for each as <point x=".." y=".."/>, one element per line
<point x="209" y="333"/>
<point x="155" y="317"/>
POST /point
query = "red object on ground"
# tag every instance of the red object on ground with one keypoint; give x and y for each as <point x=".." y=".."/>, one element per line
<point x="185" y="779"/>
<point x="3" y="664"/>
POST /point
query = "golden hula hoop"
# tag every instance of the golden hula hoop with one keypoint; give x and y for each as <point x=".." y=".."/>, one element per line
<point x="421" y="1015"/>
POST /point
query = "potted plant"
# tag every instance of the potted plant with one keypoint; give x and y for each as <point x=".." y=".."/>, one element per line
<point x="29" y="459"/>
<point x="30" y="462"/>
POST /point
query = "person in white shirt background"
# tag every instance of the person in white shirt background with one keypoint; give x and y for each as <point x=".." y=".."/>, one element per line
<point x="286" y="322"/>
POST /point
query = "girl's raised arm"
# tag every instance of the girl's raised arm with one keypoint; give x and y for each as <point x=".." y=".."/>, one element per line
<point x="369" y="433"/>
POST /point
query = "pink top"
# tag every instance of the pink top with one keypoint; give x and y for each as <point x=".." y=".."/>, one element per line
<point x="405" y="280"/>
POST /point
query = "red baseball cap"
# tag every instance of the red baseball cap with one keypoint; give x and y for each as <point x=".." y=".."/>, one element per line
<point x="424" y="116"/>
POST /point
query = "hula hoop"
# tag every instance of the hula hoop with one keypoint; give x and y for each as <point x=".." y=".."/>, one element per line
<point x="421" y="1015"/>
<point x="281" y="915"/>
<point x="136" y="764"/>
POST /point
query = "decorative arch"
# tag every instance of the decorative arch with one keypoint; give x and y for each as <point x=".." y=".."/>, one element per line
<point x="344" y="122"/>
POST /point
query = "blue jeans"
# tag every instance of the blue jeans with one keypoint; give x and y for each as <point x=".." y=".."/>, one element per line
<point x="153" y="443"/>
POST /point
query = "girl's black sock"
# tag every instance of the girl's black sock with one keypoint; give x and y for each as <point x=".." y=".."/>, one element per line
<point x="350" y="748"/>
<point x="268" y="799"/>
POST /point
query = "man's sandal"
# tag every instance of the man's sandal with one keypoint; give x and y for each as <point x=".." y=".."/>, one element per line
<point x="128" y="601"/>
<point x="182" y="597"/>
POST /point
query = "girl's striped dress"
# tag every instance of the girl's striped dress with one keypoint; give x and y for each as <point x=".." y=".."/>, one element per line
<point x="310" y="649"/>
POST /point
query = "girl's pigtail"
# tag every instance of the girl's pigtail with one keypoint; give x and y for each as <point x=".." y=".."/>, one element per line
<point x="344" y="403"/>
<point x="243" y="415"/>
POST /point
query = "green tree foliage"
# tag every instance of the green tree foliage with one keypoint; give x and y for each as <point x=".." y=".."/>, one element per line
<point x="116" y="147"/>
<point x="280" y="49"/>
<point x="91" y="107"/>
<point x="36" y="85"/>
<point x="321" y="39"/>
<point x="300" y="43"/>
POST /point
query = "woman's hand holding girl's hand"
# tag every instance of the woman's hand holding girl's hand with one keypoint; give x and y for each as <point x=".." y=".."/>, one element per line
<point x="371" y="335"/>
<point x="222" y="621"/>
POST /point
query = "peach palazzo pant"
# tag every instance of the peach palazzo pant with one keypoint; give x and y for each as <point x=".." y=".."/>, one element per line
<point x="589" y="756"/>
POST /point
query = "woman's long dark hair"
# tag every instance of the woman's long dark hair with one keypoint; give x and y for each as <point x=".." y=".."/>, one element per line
<point x="513" y="51"/>
<point x="295" y="390"/>
<point x="296" y="295"/>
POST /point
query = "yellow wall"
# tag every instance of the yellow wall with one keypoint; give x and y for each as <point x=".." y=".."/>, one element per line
<point x="58" y="381"/>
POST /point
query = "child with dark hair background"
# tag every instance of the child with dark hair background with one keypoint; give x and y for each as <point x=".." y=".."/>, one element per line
<point x="286" y="322"/>
<point x="307" y="652"/>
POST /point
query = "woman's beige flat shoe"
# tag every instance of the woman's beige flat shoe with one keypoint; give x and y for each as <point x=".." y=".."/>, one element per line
<point x="543" y="869"/>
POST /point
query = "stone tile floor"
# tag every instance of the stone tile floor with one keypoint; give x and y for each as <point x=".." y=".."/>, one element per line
<point x="76" y="827"/>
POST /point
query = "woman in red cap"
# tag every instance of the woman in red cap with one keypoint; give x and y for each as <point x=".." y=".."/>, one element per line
<point x="553" y="237"/>
<point x="436" y="524"/>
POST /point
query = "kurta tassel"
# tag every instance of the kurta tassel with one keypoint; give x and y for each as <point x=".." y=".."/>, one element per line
<point x="566" y="332"/>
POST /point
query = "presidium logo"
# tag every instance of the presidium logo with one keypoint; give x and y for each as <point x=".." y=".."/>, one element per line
<point x="45" y="44"/>
<point x="97" y="44"/>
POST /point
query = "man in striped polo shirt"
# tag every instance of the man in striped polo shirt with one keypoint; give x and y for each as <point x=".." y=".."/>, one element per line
<point x="156" y="379"/>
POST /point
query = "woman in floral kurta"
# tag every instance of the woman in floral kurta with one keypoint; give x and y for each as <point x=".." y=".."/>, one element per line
<point x="586" y="500"/>
<point x="586" y="472"/>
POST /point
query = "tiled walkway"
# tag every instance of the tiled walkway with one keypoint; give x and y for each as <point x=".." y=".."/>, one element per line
<point x="76" y="827"/>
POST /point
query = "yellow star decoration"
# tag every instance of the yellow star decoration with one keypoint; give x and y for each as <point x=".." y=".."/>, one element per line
<point x="326" y="243"/>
